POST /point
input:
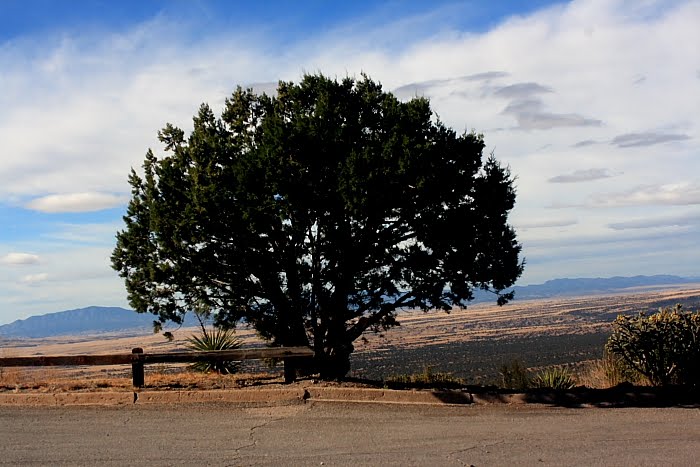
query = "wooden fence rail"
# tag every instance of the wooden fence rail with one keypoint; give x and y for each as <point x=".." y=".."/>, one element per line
<point x="137" y="358"/>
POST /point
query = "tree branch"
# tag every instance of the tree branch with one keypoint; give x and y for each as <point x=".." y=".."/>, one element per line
<point x="366" y="321"/>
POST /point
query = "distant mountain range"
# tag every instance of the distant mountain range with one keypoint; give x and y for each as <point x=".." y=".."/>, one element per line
<point x="90" y="320"/>
<point x="97" y="319"/>
<point x="589" y="286"/>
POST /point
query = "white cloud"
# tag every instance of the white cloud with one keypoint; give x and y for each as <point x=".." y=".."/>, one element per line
<point x="681" y="220"/>
<point x="581" y="176"/>
<point x="679" y="194"/>
<point x="97" y="101"/>
<point x="521" y="90"/>
<point x="85" y="234"/>
<point x="531" y="114"/>
<point x="546" y="224"/>
<point x="19" y="259"/>
<point x="81" y="109"/>
<point x="631" y="140"/>
<point x="584" y="143"/>
<point x="420" y="89"/>
<point x="34" y="278"/>
<point x="76" y="202"/>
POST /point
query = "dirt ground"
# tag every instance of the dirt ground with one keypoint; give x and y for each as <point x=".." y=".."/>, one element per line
<point x="468" y="343"/>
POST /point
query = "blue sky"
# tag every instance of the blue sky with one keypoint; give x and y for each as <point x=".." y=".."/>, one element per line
<point x="593" y="103"/>
<point x="303" y="18"/>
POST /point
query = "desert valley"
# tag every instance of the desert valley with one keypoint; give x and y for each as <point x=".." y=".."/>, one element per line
<point x="470" y="343"/>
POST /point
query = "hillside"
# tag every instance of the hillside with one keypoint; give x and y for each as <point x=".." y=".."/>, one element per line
<point x="84" y="320"/>
<point x="90" y="320"/>
<point x="590" y="286"/>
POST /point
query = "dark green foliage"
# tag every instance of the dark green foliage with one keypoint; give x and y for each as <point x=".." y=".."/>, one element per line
<point x="553" y="378"/>
<point x="664" y="346"/>
<point x="514" y="376"/>
<point x="217" y="339"/>
<point x="316" y="215"/>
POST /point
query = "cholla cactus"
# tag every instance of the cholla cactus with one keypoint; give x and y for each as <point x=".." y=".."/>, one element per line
<point x="664" y="346"/>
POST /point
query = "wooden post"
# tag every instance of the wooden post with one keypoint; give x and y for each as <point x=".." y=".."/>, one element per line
<point x="137" y="368"/>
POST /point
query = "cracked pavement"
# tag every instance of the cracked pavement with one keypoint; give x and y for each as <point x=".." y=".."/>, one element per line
<point x="316" y="433"/>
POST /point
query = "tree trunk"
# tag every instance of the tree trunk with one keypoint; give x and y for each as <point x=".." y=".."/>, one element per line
<point x="334" y="363"/>
<point x="333" y="360"/>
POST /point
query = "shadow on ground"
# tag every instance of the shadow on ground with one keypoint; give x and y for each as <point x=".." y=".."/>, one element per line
<point x="623" y="395"/>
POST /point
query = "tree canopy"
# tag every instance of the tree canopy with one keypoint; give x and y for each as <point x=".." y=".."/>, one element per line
<point x="316" y="215"/>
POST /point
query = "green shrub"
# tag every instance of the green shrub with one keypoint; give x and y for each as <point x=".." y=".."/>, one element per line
<point x="554" y="378"/>
<point x="514" y="376"/>
<point x="218" y="339"/>
<point x="664" y="346"/>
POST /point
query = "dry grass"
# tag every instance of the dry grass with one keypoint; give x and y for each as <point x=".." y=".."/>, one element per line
<point x="157" y="377"/>
<point x="42" y="379"/>
<point x="118" y="377"/>
<point x="426" y="377"/>
<point x="605" y="373"/>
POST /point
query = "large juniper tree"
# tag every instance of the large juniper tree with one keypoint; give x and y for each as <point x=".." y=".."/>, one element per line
<point x="315" y="215"/>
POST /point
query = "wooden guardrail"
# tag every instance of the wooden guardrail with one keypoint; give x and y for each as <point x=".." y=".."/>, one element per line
<point x="137" y="358"/>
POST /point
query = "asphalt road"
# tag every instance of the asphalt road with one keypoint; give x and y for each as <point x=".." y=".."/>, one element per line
<point x="348" y="434"/>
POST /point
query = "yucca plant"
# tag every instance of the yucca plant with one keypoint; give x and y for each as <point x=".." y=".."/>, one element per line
<point x="553" y="378"/>
<point x="217" y="339"/>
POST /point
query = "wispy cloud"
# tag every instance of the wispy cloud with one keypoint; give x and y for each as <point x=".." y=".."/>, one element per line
<point x="85" y="234"/>
<point x="546" y="224"/>
<point x="424" y="88"/>
<point x="584" y="143"/>
<point x="631" y="140"/>
<point x="521" y="90"/>
<point x="32" y="279"/>
<point x="19" y="259"/>
<point x="581" y="176"/>
<point x="682" y="220"/>
<point x="680" y="194"/>
<point x="76" y="202"/>
<point x="531" y="115"/>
